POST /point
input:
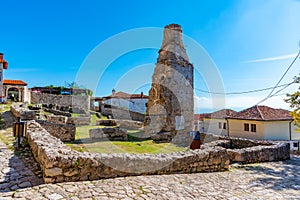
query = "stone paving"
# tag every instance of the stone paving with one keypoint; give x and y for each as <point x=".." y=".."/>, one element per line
<point x="21" y="179"/>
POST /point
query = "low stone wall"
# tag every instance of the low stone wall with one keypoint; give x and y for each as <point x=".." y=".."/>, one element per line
<point x="122" y="123"/>
<point x="106" y="122"/>
<point x="58" y="112"/>
<point x="22" y="112"/>
<point x="256" y="154"/>
<point x="57" y="119"/>
<point x="65" y="132"/>
<point x="120" y="113"/>
<point x="252" y="151"/>
<point x="129" y="124"/>
<point x="59" y="163"/>
<point x="108" y="133"/>
<point x="79" y="121"/>
<point x="75" y="101"/>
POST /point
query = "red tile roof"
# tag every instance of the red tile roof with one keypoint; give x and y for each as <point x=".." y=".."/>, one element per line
<point x="263" y="113"/>
<point x="14" y="82"/>
<point x="222" y="114"/>
<point x="123" y="95"/>
<point x="201" y="116"/>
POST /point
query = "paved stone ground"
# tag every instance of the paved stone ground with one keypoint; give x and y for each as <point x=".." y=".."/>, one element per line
<point x="21" y="179"/>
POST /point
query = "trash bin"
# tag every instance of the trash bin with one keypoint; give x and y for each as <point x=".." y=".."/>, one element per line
<point x="19" y="130"/>
<point x="195" y="144"/>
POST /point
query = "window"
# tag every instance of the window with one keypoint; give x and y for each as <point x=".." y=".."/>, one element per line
<point x="224" y="126"/>
<point x="296" y="144"/>
<point x="146" y="104"/>
<point x="220" y="125"/>
<point x="246" y="127"/>
<point x="253" y="127"/>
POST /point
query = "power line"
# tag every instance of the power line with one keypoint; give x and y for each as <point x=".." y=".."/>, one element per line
<point x="269" y="95"/>
<point x="243" y="92"/>
<point x="276" y="93"/>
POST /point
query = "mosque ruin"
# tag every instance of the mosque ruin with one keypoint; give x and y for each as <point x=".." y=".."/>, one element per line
<point x="170" y="111"/>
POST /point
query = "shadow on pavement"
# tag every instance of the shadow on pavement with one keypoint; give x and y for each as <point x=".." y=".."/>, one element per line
<point x="281" y="175"/>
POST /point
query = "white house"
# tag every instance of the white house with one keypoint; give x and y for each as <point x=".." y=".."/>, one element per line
<point x="216" y="122"/>
<point x="263" y="123"/>
<point x="198" y="121"/>
<point x="132" y="102"/>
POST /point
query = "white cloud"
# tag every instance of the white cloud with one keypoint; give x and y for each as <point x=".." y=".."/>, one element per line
<point x="281" y="57"/>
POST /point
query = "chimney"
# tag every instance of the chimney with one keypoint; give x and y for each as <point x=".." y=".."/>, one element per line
<point x="142" y="94"/>
<point x="1" y="57"/>
<point x="113" y="91"/>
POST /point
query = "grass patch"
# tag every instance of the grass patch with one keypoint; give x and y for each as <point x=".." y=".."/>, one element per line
<point x="139" y="147"/>
<point x="75" y="114"/>
<point x="137" y="143"/>
<point x="6" y="137"/>
<point x="94" y="118"/>
<point x="5" y="107"/>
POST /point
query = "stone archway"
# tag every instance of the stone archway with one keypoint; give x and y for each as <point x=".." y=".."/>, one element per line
<point x="17" y="88"/>
<point x="13" y="94"/>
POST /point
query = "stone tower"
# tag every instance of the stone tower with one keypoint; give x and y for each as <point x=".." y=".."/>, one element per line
<point x="3" y="65"/>
<point x="170" y="111"/>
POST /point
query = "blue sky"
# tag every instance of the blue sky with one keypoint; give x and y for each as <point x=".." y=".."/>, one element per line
<point x="251" y="43"/>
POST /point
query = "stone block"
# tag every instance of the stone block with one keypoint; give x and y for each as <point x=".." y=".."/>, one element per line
<point x="53" y="172"/>
<point x="58" y="119"/>
<point x="106" y="122"/>
<point x="110" y="133"/>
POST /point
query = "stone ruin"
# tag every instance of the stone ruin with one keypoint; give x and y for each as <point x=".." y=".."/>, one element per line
<point x="170" y="111"/>
<point x="114" y="129"/>
<point x="59" y="163"/>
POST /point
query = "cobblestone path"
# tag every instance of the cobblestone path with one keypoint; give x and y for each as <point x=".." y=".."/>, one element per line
<point x="21" y="179"/>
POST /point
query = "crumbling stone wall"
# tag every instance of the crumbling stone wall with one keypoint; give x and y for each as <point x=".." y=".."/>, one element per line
<point x="74" y="101"/>
<point x="65" y="132"/>
<point x="58" y="112"/>
<point x="261" y="152"/>
<point x="59" y="163"/>
<point x="170" y="108"/>
<point x="108" y="133"/>
<point x="20" y="110"/>
<point x="128" y="124"/>
<point x="80" y="120"/>
<point x="121" y="113"/>
<point x="57" y="119"/>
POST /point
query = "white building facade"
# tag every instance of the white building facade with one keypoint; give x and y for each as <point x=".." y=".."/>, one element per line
<point x="132" y="102"/>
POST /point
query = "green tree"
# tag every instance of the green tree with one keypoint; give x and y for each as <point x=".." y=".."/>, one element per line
<point x="294" y="101"/>
<point x="73" y="85"/>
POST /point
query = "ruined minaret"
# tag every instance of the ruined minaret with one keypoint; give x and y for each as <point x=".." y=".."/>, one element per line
<point x="170" y="111"/>
<point x="3" y="65"/>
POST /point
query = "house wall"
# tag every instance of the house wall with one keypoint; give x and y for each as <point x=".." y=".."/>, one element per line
<point x="136" y="105"/>
<point x="276" y="130"/>
<point x="295" y="132"/>
<point x="199" y="126"/>
<point x="212" y="126"/>
<point x="236" y="129"/>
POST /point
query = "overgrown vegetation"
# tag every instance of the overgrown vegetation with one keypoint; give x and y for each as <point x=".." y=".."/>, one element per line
<point x="294" y="101"/>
